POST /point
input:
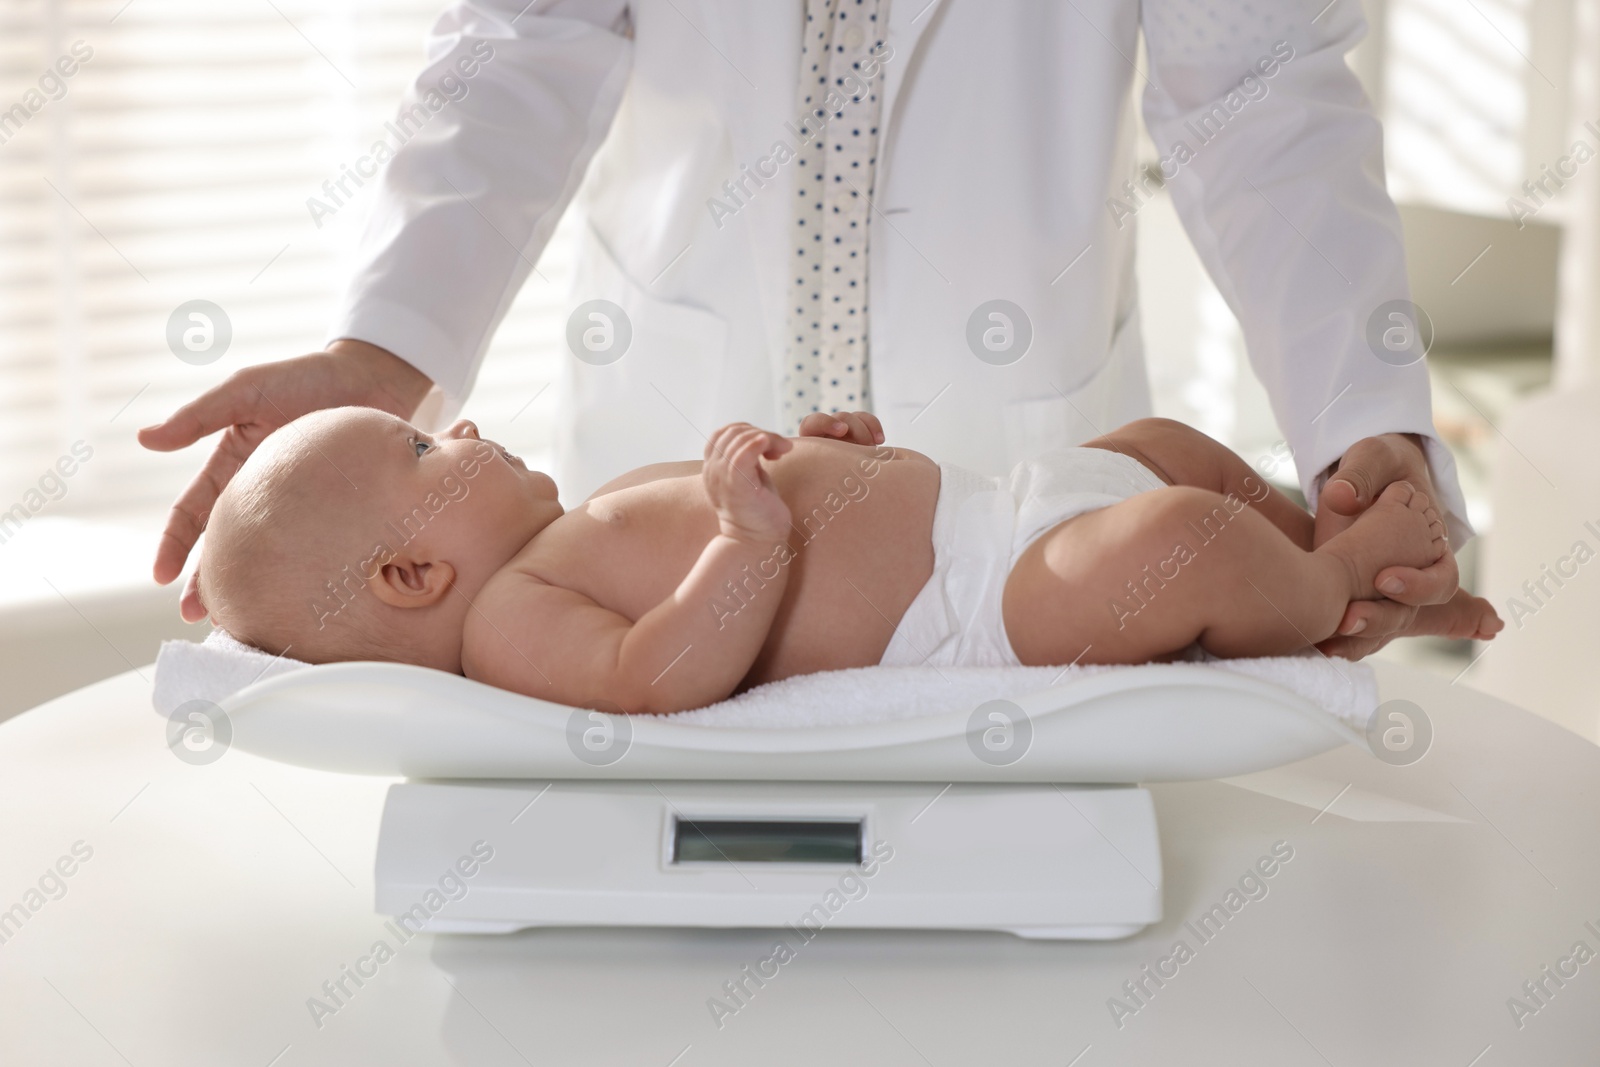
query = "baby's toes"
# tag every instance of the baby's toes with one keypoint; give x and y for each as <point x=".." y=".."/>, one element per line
<point x="1398" y="493"/>
<point x="1420" y="502"/>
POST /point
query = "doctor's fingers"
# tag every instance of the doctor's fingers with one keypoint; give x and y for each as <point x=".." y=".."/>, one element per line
<point x="248" y="405"/>
<point x="1369" y="466"/>
<point x="190" y="607"/>
<point x="1367" y="626"/>
<point x="857" y="427"/>
<point x="862" y="427"/>
<point x="235" y="401"/>
<point x="268" y="395"/>
<point x="1434" y="584"/>
<point x="188" y="516"/>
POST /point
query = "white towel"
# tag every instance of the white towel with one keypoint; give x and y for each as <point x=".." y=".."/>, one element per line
<point x="212" y="669"/>
<point x="1348" y="691"/>
<point x="221" y="665"/>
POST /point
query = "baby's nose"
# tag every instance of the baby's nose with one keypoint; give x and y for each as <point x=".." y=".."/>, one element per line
<point x="463" y="428"/>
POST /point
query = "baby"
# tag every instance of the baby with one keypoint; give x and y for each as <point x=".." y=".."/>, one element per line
<point x="351" y="535"/>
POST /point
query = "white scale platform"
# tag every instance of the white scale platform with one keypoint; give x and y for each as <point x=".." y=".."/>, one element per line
<point x="1056" y="843"/>
<point x="1039" y="861"/>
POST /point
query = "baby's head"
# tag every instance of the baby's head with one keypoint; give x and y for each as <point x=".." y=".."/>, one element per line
<point x="350" y="534"/>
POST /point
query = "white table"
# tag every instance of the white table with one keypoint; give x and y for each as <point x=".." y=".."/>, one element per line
<point x="219" y="898"/>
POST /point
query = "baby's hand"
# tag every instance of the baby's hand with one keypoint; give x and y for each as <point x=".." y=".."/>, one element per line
<point x="748" y="505"/>
<point x="857" y="427"/>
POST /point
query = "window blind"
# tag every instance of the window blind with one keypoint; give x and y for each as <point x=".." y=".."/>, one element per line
<point x="175" y="164"/>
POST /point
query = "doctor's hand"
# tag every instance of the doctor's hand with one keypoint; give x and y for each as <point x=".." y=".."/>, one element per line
<point x="247" y="407"/>
<point x="857" y="427"/>
<point x="1363" y="473"/>
<point x="742" y="493"/>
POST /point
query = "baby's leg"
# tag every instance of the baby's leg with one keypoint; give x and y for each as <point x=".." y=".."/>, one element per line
<point x="1181" y="455"/>
<point x="1145" y="578"/>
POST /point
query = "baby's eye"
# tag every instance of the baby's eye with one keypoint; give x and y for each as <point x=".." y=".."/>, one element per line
<point x="420" y="445"/>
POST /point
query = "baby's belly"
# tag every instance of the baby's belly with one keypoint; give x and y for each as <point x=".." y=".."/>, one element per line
<point x="862" y="548"/>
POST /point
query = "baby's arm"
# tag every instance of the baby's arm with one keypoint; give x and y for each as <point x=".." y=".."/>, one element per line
<point x="561" y="646"/>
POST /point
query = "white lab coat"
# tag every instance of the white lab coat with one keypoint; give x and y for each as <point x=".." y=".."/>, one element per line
<point x="1007" y="127"/>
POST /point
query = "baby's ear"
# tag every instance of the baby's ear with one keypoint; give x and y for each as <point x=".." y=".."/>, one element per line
<point x="406" y="583"/>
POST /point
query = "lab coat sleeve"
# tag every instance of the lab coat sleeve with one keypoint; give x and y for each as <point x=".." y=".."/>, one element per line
<point x="1274" y="160"/>
<point x="490" y="161"/>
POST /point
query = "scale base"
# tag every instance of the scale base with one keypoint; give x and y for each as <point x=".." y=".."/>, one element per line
<point x="1043" y="862"/>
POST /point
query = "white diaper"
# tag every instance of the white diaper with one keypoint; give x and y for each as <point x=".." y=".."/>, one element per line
<point x="981" y="525"/>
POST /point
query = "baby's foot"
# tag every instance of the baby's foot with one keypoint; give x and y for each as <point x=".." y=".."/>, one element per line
<point x="1400" y="529"/>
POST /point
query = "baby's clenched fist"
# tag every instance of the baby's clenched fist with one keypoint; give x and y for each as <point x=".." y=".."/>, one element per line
<point x="747" y="503"/>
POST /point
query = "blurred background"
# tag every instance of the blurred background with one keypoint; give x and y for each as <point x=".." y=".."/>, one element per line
<point x="176" y="161"/>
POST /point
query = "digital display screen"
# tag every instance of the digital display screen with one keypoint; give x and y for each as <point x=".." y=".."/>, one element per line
<point x="766" y="841"/>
